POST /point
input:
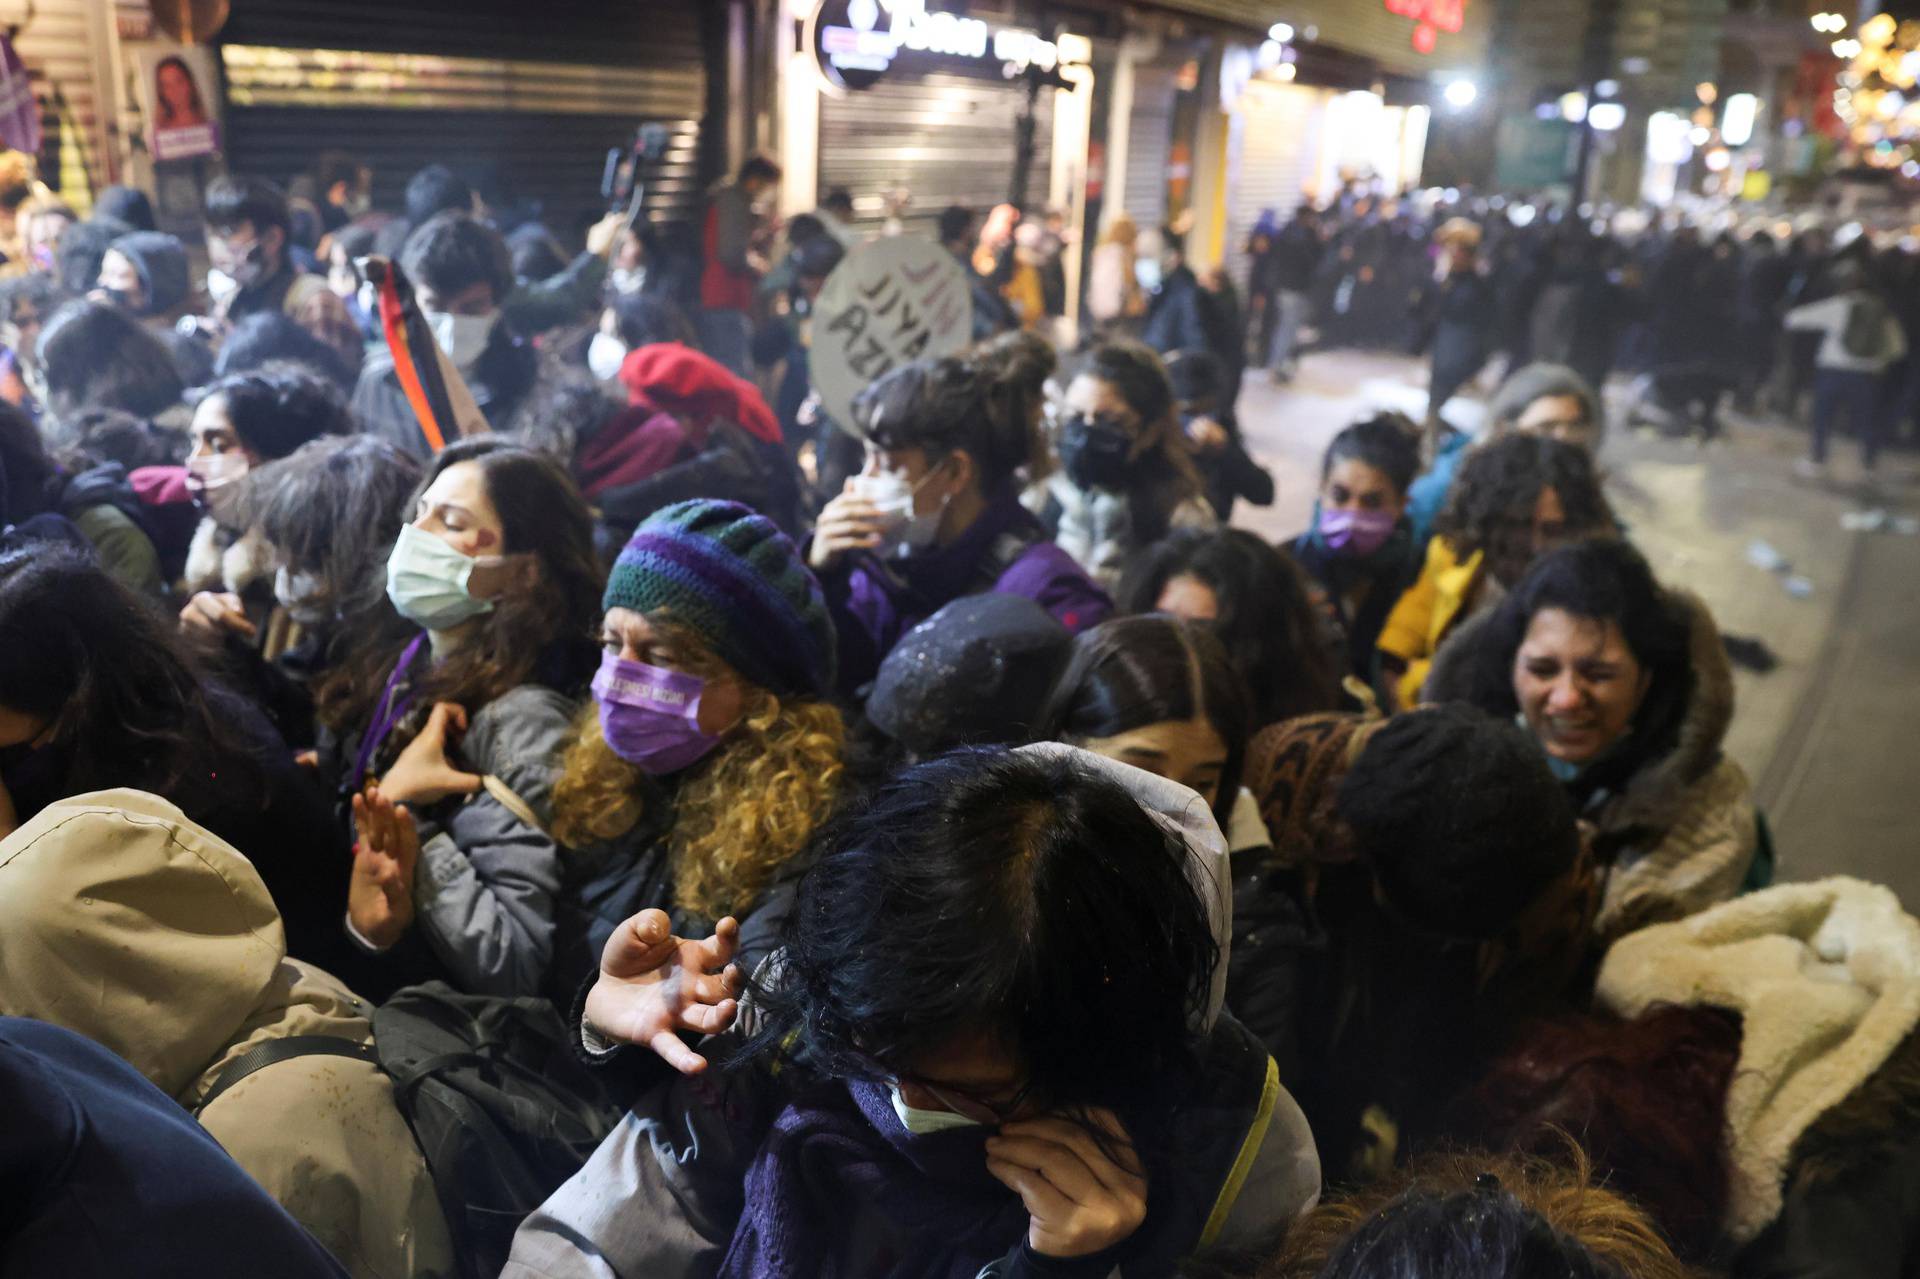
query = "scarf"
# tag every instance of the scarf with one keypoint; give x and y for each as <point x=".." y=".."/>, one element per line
<point x="842" y="1157"/>
<point x="1294" y="770"/>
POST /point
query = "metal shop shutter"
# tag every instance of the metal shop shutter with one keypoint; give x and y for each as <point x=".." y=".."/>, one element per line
<point x="1149" y="144"/>
<point x="1273" y="140"/>
<point x="947" y="139"/>
<point x="533" y="94"/>
<point x="56" y="42"/>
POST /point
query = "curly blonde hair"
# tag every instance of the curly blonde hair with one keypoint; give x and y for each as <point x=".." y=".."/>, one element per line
<point x="739" y="817"/>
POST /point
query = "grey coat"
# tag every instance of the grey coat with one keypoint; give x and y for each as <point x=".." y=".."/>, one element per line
<point x="486" y="883"/>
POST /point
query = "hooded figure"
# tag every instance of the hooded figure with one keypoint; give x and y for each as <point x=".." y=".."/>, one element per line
<point x="663" y="1193"/>
<point x="122" y="920"/>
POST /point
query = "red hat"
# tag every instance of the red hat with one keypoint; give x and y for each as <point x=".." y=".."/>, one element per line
<point x="696" y="388"/>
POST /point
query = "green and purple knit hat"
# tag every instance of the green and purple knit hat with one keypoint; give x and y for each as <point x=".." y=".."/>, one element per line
<point x="726" y="572"/>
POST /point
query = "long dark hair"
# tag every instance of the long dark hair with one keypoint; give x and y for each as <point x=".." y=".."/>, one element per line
<point x="1602" y="580"/>
<point x="541" y="625"/>
<point x="968" y="896"/>
<point x="27" y="474"/>
<point x="98" y="356"/>
<point x="1266" y="620"/>
<point x="125" y="701"/>
<point x="333" y="507"/>
<point x="946" y="405"/>
<point x="1166" y="477"/>
<point x="160" y="103"/>
<point x="1134" y="671"/>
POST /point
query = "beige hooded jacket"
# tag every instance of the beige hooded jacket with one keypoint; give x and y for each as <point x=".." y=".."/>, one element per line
<point x="124" y="921"/>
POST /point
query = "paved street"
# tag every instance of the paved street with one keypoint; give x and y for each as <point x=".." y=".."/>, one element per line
<point x="1829" y="736"/>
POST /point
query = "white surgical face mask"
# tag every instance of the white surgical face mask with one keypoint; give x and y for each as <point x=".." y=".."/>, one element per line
<point x="369" y="298"/>
<point x="605" y="354"/>
<point x="211" y="476"/>
<point x="627" y="279"/>
<point x="921" y="1122"/>
<point x="462" y="337"/>
<point x="221" y="287"/>
<point x="427" y="581"/>
<point x="894" y="494"/>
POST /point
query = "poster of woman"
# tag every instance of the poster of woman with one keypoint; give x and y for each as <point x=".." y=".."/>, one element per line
<point x="181" y="121"/>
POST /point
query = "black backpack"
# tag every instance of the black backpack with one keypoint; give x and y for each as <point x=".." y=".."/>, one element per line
<point x="1865" y="335"/>
<point x="502" y="1108"/>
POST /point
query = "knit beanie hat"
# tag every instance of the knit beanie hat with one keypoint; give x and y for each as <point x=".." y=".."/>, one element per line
<point x="726" y="572"/>
<point x="976" y="673"/>
<point x="161" y="262"/>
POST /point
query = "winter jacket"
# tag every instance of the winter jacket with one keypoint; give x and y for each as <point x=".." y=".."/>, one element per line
<point x="105" y="1176"/>
<point x="1676" y="833"/>
<point x="1175" y="319"/>
<point x="485" y="886"/>
<point x="124" y="921"/>
<point x="102" y="505"/>
<point x="1004" y="551"/>
<point x="1427" y="495"/>
<point x="1113" y="292"/>
<point x="1437" y="601"/>
<point x="1361" y="592"/>
<point x="663" y="1192"/>
<point x="1096" y="526"/>
<point x="1831" y="318"/>
<point x="1819" y="1112"/>
<point x="501" y="380"/>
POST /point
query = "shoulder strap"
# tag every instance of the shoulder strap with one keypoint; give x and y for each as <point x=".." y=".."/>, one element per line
<point x="1243" y="1163"/>
<point x="275" y="1051"/>
<point x="505" y="796"/>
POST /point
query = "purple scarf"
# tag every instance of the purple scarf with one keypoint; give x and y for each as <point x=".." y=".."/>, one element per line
<point x="843" y="1156"/>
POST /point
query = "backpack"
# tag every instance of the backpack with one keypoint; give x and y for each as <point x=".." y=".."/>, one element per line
<point x="503" y="1110"/>
<point x="1865" y="334"/>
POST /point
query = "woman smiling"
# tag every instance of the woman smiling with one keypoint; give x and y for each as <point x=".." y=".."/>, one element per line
<point x="1627" y="690"/>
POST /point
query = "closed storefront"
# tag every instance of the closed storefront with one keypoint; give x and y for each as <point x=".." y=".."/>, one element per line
<point x="1150" y="142"/>
<point x="942" y="137"/>
<point x="1272" y="155"/>
<point x="63" y="44"/>
<point x="406" y="83"/>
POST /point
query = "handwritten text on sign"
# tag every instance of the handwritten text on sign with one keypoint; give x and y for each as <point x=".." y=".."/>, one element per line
<point x="889" y="302"/>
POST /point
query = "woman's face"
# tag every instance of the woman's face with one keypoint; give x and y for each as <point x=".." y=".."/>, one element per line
<point x="1190" y="752"/>
<point x="1518" y="540"/>
<point x="43" y="232"/>
<point x="1092" y="397"/>
<point x="213" y="433"/>
<point x="457" y="509"/>
<point x="1578" y="684"/>
<point x="972" y="1066"/>
<point x="176" y="87"/>
<point x="1188" y="597"/>
<point x="935" y="481"/>
<point x="1353" y="485"/>
<point x="630" y="636"/>
<point x="1559" y="417"/>
<point x="118" y="273"/>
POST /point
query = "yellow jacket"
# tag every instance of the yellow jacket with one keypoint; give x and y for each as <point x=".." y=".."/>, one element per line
<point x="1427" y="612"/>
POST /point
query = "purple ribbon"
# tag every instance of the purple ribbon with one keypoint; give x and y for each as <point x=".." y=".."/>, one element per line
<point x="391" y="710"/>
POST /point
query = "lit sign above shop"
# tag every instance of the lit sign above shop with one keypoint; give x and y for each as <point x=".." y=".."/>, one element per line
<point x="855" y="41"/>
<point x="1430" y="17"/>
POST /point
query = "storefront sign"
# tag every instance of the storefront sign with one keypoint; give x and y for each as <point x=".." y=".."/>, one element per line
<point x="890" y="301"/>
<point x="855" y="41"/>
<point x="1430" y="18"/>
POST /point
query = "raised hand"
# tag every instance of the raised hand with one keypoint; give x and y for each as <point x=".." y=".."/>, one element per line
<point x="1079" y="1201"/>
<point x="423" y="774"/>
<point x="214" y="615"/>
<point x="380" y="892"/>
<point x="653" y="985"/>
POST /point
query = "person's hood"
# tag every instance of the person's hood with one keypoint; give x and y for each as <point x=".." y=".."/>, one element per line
<point x="1182" y="813"/>
<point x="126" y="922"/>
<point x="1826" y="979"/>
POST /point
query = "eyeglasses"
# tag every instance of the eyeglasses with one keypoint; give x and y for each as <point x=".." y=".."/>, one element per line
<point x="957" y="1100"/>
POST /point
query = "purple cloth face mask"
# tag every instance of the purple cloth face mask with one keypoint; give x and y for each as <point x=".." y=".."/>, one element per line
<point x="1356" y="532"/>
<point x="650" y="716"/>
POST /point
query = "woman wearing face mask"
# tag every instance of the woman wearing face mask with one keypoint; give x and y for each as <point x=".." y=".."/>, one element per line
<point x="709" y="753"/>
<point x="1627" y="689"/>
<point x="1517" y="497"/>
<point x="448" y="719"/>
<point x="940" y="1076"/>
<point x="244" y="422"/>
<point x="1360" y="551"/>
<point x="1125" y="476"/>
<point x="935" y="513"/>
<point x="328" y="512"/>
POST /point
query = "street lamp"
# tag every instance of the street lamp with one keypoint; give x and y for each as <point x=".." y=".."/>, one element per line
<point x="1461" y="93"/>
<point x="1607" y="116"/>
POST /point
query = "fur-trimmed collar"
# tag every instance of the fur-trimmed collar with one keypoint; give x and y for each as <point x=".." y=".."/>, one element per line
<point x="218" y="560"/>
<point x="1826" y="979"/>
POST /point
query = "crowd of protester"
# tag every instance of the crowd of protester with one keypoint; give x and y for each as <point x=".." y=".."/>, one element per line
<point x="663" y="831"/>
